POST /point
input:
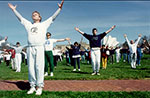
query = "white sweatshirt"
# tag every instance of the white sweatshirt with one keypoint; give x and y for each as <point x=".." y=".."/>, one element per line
<point x="49" y="44"/>
<point x="133" y="47"/>
<point x="2" y="41"/>
<point x="36" y="31"/>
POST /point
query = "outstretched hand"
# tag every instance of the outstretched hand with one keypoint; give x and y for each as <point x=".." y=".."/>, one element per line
<point x="140" y="35"/>
<point x="125" y="35"/>
<point x="12" y="6"/>
<point x="6" y="38"/>
<point x="113" y="26"/>
<point x="67" y="39"/>
<point x="60" y="5"/>
<point x="77" y="29"/>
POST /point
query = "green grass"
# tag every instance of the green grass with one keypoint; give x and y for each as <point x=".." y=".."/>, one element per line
<point x="63" y="72"/>
<point x="47" y="94"/>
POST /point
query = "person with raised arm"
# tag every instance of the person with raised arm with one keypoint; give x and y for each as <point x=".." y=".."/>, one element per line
<point x="133" y="49"/>
<point x="49" y="54"/>
<point x="3" y="41"/>
<point x="35" y="51"/>
<point x="95" y="44"/>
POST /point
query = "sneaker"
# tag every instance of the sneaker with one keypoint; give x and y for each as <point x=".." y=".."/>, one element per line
<point x="94" y="73"/>
<point x="79" y="70"/>
<point x="46" y="74"/>
<point x="98" y="74"/>
<point x="74" y="69"/>
<point x="39" y="91"/>
<point x="31" y="91"/>
<point x="51" y="74"/>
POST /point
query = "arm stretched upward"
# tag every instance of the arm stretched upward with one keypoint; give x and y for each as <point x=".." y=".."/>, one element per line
<point x="77" y="29"/>
<point x="110" y="29"/>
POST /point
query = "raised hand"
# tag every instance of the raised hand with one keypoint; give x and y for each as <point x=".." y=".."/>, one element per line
<point x="67" y="39"/>
<point x="125" y="35"/>
<point x="12" y="6"/>
<point x="60" y="5"/>
<point x="113" y="27"/>
<point x="77" y="29"/>
<point x="6" y="38"/>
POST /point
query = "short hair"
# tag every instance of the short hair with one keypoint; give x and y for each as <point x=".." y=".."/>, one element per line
<point x="93" y="30"/>
<point x="48" y="33"/>
<point x="103" y="45"/>
<point x="17" y="43"/>
<point x="75" y="43"/>
<point x="39" y="15"/>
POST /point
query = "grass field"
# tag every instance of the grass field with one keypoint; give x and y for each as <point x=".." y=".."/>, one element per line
<point x="63" y="72"/>
<point x="47" y="94"/>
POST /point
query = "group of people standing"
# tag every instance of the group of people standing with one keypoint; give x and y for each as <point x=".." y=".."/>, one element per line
<point x="39" y="49"/>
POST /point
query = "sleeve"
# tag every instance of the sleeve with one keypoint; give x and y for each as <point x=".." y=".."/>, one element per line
<point x="72" y="46"/>
<point x="21" y="19"/>
<point x="54" y="40"/>
<point x="50" y="20"/>
<point x="137" y="40"/>
<point x="79" y="45"/>
<point x="87" y="36"/>
<point x="127" y="41"/>
<point x="2" y="41"/>
<point x="102" y="35"/>
<point x="12" y="47"/>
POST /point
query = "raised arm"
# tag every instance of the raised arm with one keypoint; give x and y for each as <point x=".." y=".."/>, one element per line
<point x="15" y="11"/>
<point x="110" y="29"/>
<point x="125" y="36"/>
<point x="138" y="39"/>
<point x="58" y="11"/>
<point x="77" y="29"/>
<point x="61" y="40"/>
<point x="3" y="41"/>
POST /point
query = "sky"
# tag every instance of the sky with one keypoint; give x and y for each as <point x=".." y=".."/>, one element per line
<point x="130" y="17"/>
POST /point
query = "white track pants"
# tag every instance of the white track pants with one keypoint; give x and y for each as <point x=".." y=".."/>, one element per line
<point x="133" y="60"/>
<point x="95" y="58"/>
<point x="117" y="57"/>
<point x="36" y="65"/>
<point x="18" y="60"/>
<point x="13" y="65"/>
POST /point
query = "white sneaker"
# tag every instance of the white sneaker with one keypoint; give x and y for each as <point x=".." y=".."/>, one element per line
<point x="31" y="91"/>
<point x="39" y="91"/>
<point x="79" y="70"/>
<point x="74" y="69"/>
<point x="98" y="74"/>
<point x="46" y="74"/>
<point x="94" y="73"/>
<point x="51" y="74"/>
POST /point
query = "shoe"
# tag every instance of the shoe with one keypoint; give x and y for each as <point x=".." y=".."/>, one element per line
<point x="79" y="70"/>
<point x="98" y="74"/>
<point x="51" y="74"/>
<point x="74" y="69"/>
<point x="31" y="91"/>
<point x="46" y="74"/>
<point x="39" y="91"/>
<point x="94" y="73"/>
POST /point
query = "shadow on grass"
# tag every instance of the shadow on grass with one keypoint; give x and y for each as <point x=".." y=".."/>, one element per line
<point x="20" y="84"/>
<point x="81" y="72"/>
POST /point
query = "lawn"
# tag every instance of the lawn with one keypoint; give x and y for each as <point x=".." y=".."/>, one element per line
<point x="69" y="94"/>
<point x="63" y="72"/>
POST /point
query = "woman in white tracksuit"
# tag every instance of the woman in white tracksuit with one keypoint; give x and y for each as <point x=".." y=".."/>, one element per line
<point x="36" y="38"/>
<point x="18" y="58"/>
<point x="133" y="50"/>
